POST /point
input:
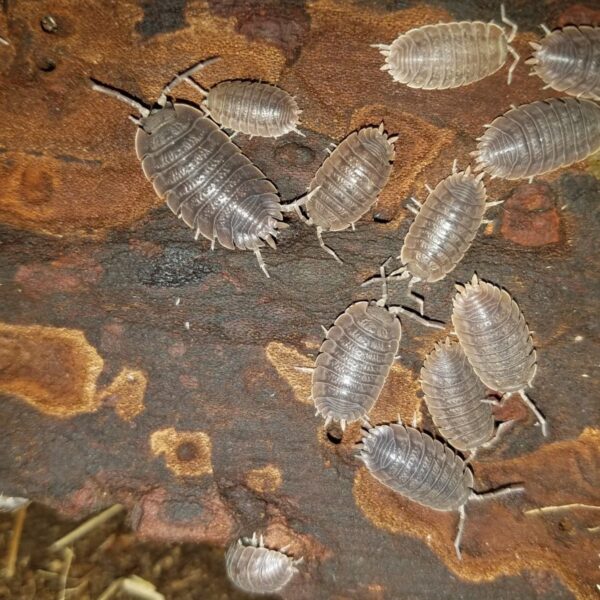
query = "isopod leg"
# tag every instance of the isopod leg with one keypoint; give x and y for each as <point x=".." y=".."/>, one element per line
<point x="261" y="262"/>
<point x="296" y="204"/>
<point x="513" y="66"/>
<point x="416" y="317"/>
<point x="507" y="21"/>
<point x="462" y="516"/>
<point x="104" y="89"/>
<point x="417" y="206"/>
<point x="3" y="41"/>
<point x="545" y="29"/>
<point x="503" y="491"/>
<point x="202" y="91"/>
<point x="305" y="369"/>
<point x="162" y="99"/>
<point x="533" y="408"/>
<point x="502" y="429"/>
<point x="418" y="299"/>
<point x="384" y="288"/>
<point x="325" y="247"/>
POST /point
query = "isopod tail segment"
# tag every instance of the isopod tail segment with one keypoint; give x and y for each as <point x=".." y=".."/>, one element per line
<point x="509" y="38"/>
<point x="480" y="497"/>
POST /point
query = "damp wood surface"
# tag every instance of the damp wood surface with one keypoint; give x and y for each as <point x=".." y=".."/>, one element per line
<point x="139" y="367"/>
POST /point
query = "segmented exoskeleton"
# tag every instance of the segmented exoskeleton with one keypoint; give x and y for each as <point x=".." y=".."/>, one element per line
<point x="568" y="60"/>
<point x="496" y="340"/>
<point x="539" y="137"/>
<point x="259" y="570"/>
<point x="203" y="177"/>
<point x="449" y="55"/>
<point x="415" y="465"/>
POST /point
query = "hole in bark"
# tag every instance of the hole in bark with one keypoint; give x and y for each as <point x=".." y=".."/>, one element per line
<point x="334" y="433"/>
<point x="187" y="451"/>
<point x="47" y="65"/>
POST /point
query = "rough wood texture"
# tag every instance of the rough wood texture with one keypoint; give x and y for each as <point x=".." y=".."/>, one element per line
<point x="207" y="433"/>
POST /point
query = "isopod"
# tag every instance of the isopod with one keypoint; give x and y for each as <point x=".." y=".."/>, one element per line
<point x="455" y="397"/>
<point x="415" y="465"/>
<point x="443" y="230"/>
<point x="568" y="60"/>
<point x="252" y="107"/>
<point x="496" y="340"/>
<point x="539" y="137"/>
<point x="348" y="183"/>
<point x="203" y="176"/>
<point x="356" y="357"/>
<point x="449" y="55"/>
<point x="259" y="570"/>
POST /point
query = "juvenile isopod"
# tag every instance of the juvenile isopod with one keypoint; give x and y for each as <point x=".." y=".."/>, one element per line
<point x="252" y="107"/>
<point x="356" y="357"/>
<point x="539" y="137"/>
<point x="443" y="230"/>
<point x="415" y="465"/>
<point x="203" y="176"/>
<point x="348" y="183"/>
<point x="449" y="55"/>
<point x="496" y="340"/>
<point x="568" y="60"/>
<point x="259" y="570"/>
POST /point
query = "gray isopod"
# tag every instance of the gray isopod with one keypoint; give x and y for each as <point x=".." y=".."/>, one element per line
<point x="356" y="357"/>
<point x="496" y="340"/>
<point x="349" y="181"/>
<point x="539" y="137"/>
<point x="259" y="570"/>
<point x="415" y="465"/>
<point x="449" y="55"/>
<point x="253" y="108"/>
<point x="203" y="176"/>
<point x="457" y="400"/>
<point x="568" y="60"/>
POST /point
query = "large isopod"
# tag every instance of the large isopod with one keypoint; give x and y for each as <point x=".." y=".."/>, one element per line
<point x="496" y="340"/>
<point x="539" y="137"/>
<point x="203" y="176"/>
<point x="449" y="55"/>
<point x="259" y="570"/>
<point x="415" y="465"/>
<point x="348" y="183"/>
<point x="568" y="60"/>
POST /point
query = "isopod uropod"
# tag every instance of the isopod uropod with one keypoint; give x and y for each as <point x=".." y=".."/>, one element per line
<point x="356" y="357"/>
<point x="347" y="184"/>
<point x="449" y="55"/>
<point x="496" y="340"/>
<point x="259" y="570"/>
<point x="539" y="137"/>
<point x="568" y="60"/>
<point x="203" y="176"/>
<point x="415" y="465"/>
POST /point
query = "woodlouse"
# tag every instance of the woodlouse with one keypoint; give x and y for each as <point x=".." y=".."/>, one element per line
<point x="348" y="182"/>
<point x="203" y="177"/>
<point x="356" y="357"/>
<point x="455" y="397"/>
<point x="443" y="230"/>
<point x="496" y="340"/>
<point x="539" y="137"/>
<point x="415" y="465"/>
<point x="259" y="570"/>
<point x="449" y="55"/>
<point x="252" y="107"/>
<point x="568" y="60"/>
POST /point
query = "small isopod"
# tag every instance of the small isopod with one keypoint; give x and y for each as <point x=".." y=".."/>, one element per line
<point x="457" y="400"/>
<point x="496" y="340"/>
<point x="449" y="55"/>
<point x="568" y="60"/>
<point x="348" y="183"/>
<point x="259" y="570"/>
<point x="415" y="465"/>
<point x="356" y="357"/>
<point x="203" y="176"/>
<point x="539" y="137"/>
<point x="443" y="230"/>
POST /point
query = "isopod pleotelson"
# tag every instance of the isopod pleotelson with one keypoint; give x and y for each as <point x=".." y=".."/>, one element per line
<point x="496" y="340"/>
<point x="415" y="465"/>
<point x="254" y="108"/>
<point x="568" y="60"/>
<point x="203" y="176"/>
<point x="256" y="569"/>
<point x="449" y="55"/>
<point x="349" y="181"/>
<point x="539" y="137"/>
<point x="456" y="398"/>
<point x="355" y="359"/>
